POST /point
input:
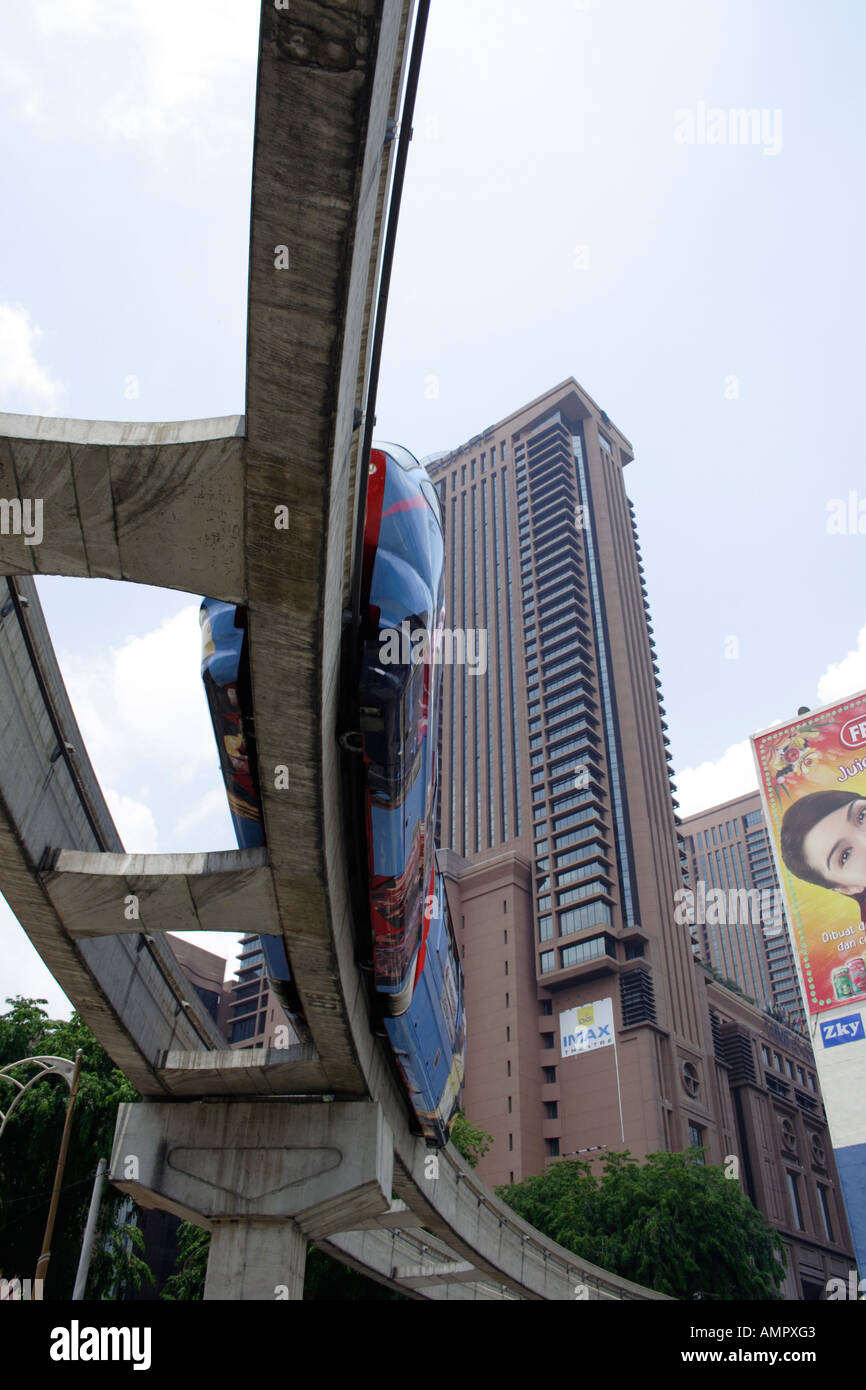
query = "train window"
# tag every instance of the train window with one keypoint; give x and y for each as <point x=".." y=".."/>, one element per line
<point x="407" y="461"/>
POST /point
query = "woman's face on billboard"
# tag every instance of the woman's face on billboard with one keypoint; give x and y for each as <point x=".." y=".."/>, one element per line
<point x="836" y="848"/>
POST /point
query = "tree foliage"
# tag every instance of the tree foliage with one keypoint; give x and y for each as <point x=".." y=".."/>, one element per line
<point x="118" y="1262"/>
<point x="31" y="1141"/>
<point x="469" y="1140"/>
<point x="190" y="1267"/>
<point x="671" y="1223"/>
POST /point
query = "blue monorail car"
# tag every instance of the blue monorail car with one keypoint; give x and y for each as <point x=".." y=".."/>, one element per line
<point x="394" y="706"/>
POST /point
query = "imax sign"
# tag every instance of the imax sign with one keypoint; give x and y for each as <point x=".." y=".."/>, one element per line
<point x="587" y="1027"/>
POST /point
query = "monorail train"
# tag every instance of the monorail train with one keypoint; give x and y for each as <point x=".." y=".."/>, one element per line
<point x="394" y="708"/>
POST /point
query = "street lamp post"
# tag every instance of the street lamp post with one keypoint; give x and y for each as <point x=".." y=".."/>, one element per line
<point x="42" y="1262"/>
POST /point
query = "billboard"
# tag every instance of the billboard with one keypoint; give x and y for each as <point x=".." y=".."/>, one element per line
<point x="812" y="775"/>
<point x="586" y="1027"/>
<point x="813" y="785"/>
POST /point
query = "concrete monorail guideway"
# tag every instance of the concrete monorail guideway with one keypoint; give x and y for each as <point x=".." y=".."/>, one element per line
<point x="243" y="1142"/>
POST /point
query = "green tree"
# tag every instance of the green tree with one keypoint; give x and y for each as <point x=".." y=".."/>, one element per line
<point x="676" y="1225"/>
<point x="118" y="1263"/>
<point x="190" y="1266"/>
<point x="31" y="1140"/>
<point x="469" y="1140"/>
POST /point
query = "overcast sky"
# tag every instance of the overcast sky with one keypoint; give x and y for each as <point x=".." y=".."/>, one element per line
<point x="580" y="201"/>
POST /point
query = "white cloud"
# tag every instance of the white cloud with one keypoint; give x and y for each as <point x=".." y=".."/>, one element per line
<point x="732" y="775"/>
<point x="22" y="82"/>
<point x="135" y="823"/>
<point x="158" y="694"/>
<point x="845" y="677"/>
<point x="166" y="71"/>
<point x="145" y="724"/>
<point x="25" y="386"/>
<point x="142" y="708"/>
<point x="24" y="971"/>
<point x="208" y="807"/>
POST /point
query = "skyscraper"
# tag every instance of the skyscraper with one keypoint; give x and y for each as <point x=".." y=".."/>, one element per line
<point x="556" y="795"/>
<point x="741" y="930"/>
<point x="591" y="1025"/>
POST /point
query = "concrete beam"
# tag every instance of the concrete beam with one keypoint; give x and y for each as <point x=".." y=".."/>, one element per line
<point x="266" y="1160"/>
<point x="256" y="1071"/>
<point x="381" y="1254"/>
<point x="126" y="989"/>
<point x="480" y="1229"/>
<point x="255" y="1260"/>
<point x="152" y="503"/>
<point x="261" y="1176"/>
<point x="105" y="894"/>
<point x="418" y="1276"/>
<point x="398" y="1218"/>
<point x="328" y="82"/>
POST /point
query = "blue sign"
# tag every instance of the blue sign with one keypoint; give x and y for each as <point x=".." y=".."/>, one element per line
<point x="842" y="1030"/>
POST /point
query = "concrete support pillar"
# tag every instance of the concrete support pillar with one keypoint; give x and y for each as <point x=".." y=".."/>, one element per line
<point x="264" y="1177"/>
<point x="256" y="1259"/>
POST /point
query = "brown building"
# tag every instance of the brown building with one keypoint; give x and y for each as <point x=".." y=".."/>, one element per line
<point x="738" y="918"/>
<point x="253" y="1014"/>
<point x="244" y="1008"/>
<point x="557" y="823"/>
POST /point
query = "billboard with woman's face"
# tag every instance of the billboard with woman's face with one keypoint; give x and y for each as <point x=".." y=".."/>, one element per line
<point x="813" y="782"/>
<point x="812" y="774"/>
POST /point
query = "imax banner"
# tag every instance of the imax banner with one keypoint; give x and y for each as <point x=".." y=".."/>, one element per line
<point x="587" y="1027"/>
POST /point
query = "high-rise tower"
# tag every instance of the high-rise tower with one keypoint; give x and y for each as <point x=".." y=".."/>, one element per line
<point x="556" y="794"/>
<point x="741" y="929"/>
<point x="590" y="1024"/>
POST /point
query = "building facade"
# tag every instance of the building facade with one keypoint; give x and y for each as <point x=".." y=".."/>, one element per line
<point x="244" y="1008"/>
<point x="738" y="918"/>
<point x="588" y="1021"/>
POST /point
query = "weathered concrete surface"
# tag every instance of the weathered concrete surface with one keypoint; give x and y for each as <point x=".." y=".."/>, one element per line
<point x="127" y="990"/>
<point x="329" y="80"/>
<point x="104" y="894"/>
<point x="256" y="1071"/>
<point x="214" y="1160"/>
<point x="262" y="1260"/>
<point x="152" y="503"/>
